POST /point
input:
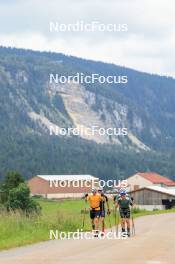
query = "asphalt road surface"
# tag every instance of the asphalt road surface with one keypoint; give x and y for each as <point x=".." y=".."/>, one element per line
<point x="154" y="243"/>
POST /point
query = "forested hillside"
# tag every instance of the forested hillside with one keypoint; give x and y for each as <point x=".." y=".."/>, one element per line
<point x="28" y="103"/>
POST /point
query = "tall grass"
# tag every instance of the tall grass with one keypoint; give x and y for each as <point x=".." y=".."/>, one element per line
<point x="16" y="229"/>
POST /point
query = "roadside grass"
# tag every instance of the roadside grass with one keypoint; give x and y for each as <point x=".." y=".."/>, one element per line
<point x="140" y="213"/>
<point x="17" y="230"/>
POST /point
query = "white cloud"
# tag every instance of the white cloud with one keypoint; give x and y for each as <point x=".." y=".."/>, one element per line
<point x="148" y="45"/>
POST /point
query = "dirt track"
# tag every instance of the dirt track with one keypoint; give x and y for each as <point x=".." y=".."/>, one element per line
<point x="154" y="243"/>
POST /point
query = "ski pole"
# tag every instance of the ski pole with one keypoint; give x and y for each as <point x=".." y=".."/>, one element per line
<point x="133" y="225"/>
<point x="109" y="221"/>
<point x="116" y="220"/>
<point x="115" y="217"/>
<point x="84" y="216"/>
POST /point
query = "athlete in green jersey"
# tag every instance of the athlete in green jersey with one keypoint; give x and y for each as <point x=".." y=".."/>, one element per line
<point x="123" y="201"/>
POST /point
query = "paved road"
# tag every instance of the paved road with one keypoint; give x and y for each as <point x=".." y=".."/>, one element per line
<point x="154" y="243"/>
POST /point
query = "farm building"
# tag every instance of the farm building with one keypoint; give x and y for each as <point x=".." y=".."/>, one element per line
<point x="140" y="180"/>
<point x="62" y="186"/>
<point x="154" y="197"/>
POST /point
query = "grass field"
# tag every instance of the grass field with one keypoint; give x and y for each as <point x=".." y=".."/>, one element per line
<point x="17" y="230"/>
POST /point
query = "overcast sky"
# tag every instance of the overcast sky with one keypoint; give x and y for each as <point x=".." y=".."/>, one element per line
<point x="148" y="45"/>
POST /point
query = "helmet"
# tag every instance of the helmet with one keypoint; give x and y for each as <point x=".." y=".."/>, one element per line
<point x="94" y="190"/>
<point x="122" y="192"/>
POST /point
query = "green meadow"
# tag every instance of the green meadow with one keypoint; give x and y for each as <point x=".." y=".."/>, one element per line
<point x="64" y="215"/>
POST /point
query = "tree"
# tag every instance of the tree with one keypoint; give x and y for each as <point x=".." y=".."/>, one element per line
<point x="19" y="198"/>
<point x="15" y="194"/>
<point x="12" y="180"/>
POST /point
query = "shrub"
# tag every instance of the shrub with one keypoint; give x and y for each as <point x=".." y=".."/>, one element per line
<point x="19" y="198"/>
<point x="12" y="180"/>
<point x="137" y="210"/>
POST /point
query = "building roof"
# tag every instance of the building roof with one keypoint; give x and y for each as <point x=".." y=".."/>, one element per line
<point x="67" y="177"/>
<point x="162" y="189"/>
<point x="157" y="189"/>
<point x="156" y="178"/>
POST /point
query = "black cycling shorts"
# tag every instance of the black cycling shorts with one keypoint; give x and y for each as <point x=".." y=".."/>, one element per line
<point x="102" y="213"/>
<point x="94" y="214"/>
<point x="125" y="213"/>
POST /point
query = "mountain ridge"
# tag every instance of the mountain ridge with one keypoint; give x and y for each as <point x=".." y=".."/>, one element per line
<point x="145" y="105"/>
